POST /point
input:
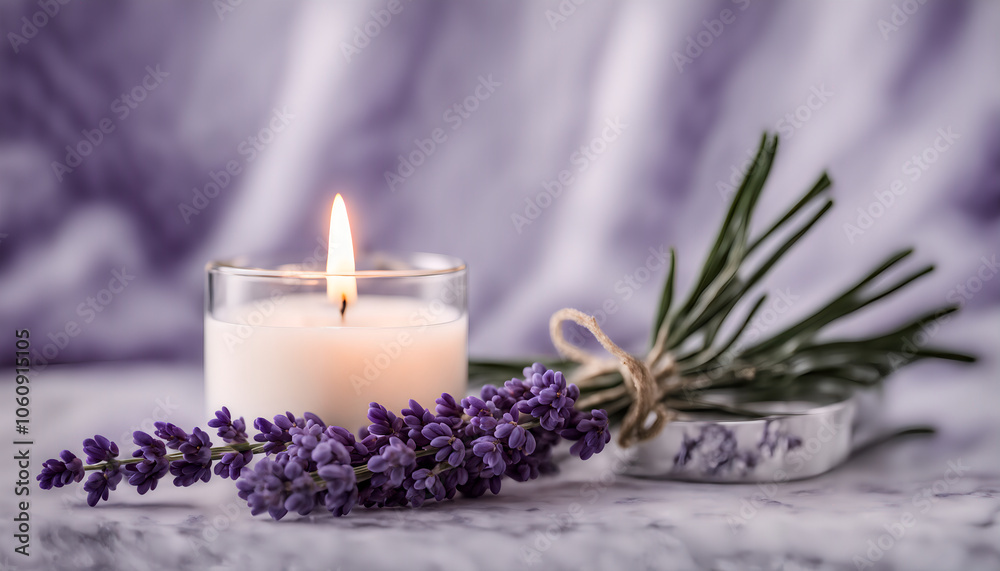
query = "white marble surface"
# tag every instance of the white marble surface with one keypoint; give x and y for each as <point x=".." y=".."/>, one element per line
<point x="595" y="517"/>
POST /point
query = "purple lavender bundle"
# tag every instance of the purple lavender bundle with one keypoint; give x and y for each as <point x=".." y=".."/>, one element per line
<point x="466" y="447"/>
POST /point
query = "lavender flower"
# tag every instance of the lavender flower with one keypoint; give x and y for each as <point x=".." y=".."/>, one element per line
<point x="341" y="488"/>
<point x="358" y="449"/>
<point x="276" y="434"/>
<point x="301" y="488"/>
<point x="384" y="422"/>
<point x="173" y="435"/>
<point x="263" y="488"/>
<point x="448" y="408"/>
<point x="552" y="400"/>
<point x="56" y="473"/>
<point x="429" y="481"/>
<point x="197" y="462"/>
<point x="411" y="495"/>
<point x="147" y="472"/>
<point x="501" y="397"/>
<point x="232" y="463"/>
<point x="450" y="447"/>
<point x="478" y="486"/>
<point x="339" y="478"/>
<point x="517" y="436"/>
<point x="99" y="484"/>
<point x="491" y="451"/>
<point x="342" y="505"/>
<point x="99" y="449"/>
<point x="522" y="472"/>
<point x="305" y="439"/>
<point x="330" y="451"/>
<point x="452" y="479"/>
<point x="517" y="389"/>
<point x="198" y="448"/>
<point x="394" y="460"/>
<point x="416" y="418"/>
<point x="463" y="447"/>
<point x="229" y="430"/>
<point x="149" y="447"/>
<point x="232" y="432"/>
<point x="483" y="414"/>
<point x="534" y="368"/>
<point x="594" y="435"/>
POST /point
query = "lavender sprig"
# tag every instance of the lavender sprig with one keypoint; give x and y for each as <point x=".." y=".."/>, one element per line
<point x="465" y="447"/>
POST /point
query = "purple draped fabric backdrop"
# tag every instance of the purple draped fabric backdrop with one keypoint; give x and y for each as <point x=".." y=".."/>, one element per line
<point x="448" y="126"/>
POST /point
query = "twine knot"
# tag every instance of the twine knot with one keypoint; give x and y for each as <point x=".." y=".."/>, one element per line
<point x="646" y="380"/>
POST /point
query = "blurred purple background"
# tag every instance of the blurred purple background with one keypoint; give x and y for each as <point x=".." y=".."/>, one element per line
<point x="304" y="99"/>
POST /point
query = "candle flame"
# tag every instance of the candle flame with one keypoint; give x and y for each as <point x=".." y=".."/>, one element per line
<point x="343" y="289"/>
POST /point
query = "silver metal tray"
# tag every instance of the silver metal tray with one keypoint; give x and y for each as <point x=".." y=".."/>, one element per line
<point x="803" y="437"/>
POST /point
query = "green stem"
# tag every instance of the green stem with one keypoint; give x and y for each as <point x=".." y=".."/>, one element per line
<point x="361" y="472"/>
<point x="217" y="453"/>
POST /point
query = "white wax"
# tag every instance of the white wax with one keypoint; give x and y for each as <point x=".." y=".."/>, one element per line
<point x="296" y="353"/>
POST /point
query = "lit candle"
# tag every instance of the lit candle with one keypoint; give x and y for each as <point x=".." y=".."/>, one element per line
<point x="276" y="342"/>
<point x="343" y="289"/>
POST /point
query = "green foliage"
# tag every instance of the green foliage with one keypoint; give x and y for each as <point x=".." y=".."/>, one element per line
<point x="798" y="354"/>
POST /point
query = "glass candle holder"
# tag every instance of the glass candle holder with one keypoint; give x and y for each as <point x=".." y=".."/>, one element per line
<point x="275" y="342"/>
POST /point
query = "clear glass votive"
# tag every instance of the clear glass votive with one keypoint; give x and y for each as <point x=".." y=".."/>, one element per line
<point x="275" y="342"/>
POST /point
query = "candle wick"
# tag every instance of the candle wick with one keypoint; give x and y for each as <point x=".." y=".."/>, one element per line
<point x="343" y="305"/>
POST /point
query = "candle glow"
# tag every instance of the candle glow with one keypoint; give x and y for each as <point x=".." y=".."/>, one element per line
<point x="341" y="290"/>
<point x="299" y="348"/>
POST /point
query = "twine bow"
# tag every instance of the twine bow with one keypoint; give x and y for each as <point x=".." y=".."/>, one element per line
<point x="646" y="380"/>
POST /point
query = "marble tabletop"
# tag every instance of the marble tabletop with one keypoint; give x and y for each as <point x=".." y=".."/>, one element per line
<point x="918" y="502"/>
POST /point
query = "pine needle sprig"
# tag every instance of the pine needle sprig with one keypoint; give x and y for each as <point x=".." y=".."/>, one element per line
<point x="691" y="331"/>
